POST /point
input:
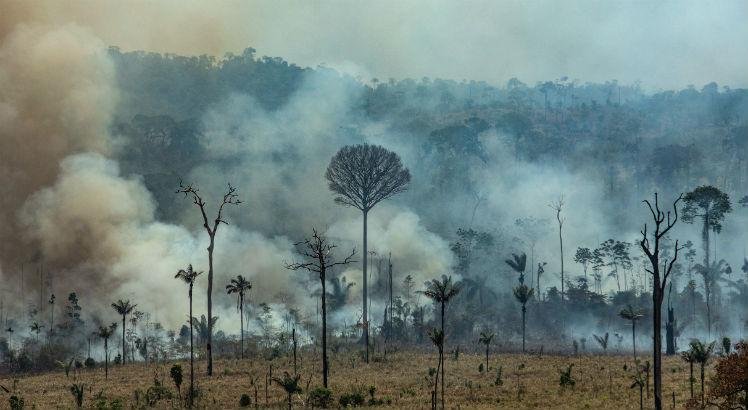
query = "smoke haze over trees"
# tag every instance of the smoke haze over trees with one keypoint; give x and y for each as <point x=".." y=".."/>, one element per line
<point x="95" y="138"/>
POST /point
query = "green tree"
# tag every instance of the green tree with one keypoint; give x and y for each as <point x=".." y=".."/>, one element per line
<point x="189" y="276"/>
<point x="123" y="308"/>
<point x="362" y="176"/>
<point x="701" y="355"/>
<point x="710" y="205"/>
<point x="441" y="292"/>
<point x="633" y="315"/>
<point x="240" y="286"/>
<point x="523" y="294"/>
<point x="105" y="332"/>
<point x="485" y="338"/>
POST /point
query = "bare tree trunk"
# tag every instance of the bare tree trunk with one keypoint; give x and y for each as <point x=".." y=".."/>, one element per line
<point x="124" y="353"/>
<point x="106" y="358"/>
<point x="324" y="329"/>
<point x="192" y="353"/>
<point x="241" y="324"/>
<point x="210" y="304"/>
<point x="444" y="342"/>
<point x="633" y="337"/>
<point x="365" y="318"/>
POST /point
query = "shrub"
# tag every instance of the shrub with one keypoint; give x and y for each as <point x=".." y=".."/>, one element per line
<point x="176" y="376"/>
<point x="118" y="359"/>
<point x="354" y="398"/>
<point x="244" y="400"/>
<point x="90" y="363"/>
<point x="499" y="381"/>
<point x="730" y="380"/>
<point x="16" y="403"/>
<point x="320" y="397"/>
<point x="480" y="368"/>
<point x="157" y="392"/>
<point x="566" y="379"/>
<point x="76" y="390"/>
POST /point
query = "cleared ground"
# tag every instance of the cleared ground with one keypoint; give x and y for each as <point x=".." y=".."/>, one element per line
<point x="528" y="382"/>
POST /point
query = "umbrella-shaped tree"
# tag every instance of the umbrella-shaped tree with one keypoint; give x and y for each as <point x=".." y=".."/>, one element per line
<point x="123" y="308"/>
<point x="632" y="314"/>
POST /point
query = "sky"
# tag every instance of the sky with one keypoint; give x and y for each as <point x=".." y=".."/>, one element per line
<point x="663" y="44"/>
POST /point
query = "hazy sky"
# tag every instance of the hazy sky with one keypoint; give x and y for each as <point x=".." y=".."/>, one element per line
<point x="663" y="44"/>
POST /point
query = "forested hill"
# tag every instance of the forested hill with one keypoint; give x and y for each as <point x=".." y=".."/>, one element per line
<point x="630" y="140"/>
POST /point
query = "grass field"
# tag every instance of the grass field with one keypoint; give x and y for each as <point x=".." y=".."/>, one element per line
<point x="528" y="382"/>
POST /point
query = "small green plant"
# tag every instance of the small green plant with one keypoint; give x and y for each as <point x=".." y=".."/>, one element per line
<point x="290" y="384"/>
<point x="176" y="376"/>
<point x="244" y="400"/>
<point x="16" y="402"/>
<point x="499" y="381"/>
<point x="157" y="392"/>
<point x="480" y="368"/>
<point x="373" y="401"/>
<point x="320" y="397"/>
<point x="76" y="389"/>
<point x="566" y="379"/>
<point x="726" y="345"/>
<point x="354" y="398"/>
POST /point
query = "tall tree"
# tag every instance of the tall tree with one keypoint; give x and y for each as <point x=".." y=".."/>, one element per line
<point x="532" y="229"/>
<point x="485" y="338"/>
<point x="441" y="292"/>
<point x="663" y="222"/>
<point x="711" y="274"/>
<point x="230" y="197"/>
<point x="318" y="257"/>
<point x="123" y="308"/>
<point x="558" y="206"/>
<point x="632" y="314"/>
<point x="189" y="276"/>
<point x="584" y="257"/>
<point x="105" y="332"/>
<point x="362" y="176"/>
<point x="523" y="294"/>
<point x="711" y="205"/>
<point x="240" y="286"/>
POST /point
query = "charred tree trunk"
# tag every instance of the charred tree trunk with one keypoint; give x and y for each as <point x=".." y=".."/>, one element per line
<point x="365" y="318"/>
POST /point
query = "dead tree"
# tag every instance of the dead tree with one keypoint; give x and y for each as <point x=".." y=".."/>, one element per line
<point x="663" y="222"/>
<point x="362" y="176"/>
<point x="558" y="207"/>
<point x="318" y="257"/>
<point x="211" y="227"/>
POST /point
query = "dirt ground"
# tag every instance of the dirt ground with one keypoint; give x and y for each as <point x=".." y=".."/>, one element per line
<point x="528" y="381"/>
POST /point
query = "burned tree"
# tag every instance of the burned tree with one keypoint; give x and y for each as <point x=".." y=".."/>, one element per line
<point x="362" y="176"/>
<point x="211" y="227"/>
<point x="558" y="207"/>
<point x="663" y="222"/>
<point x="318" y="256"/>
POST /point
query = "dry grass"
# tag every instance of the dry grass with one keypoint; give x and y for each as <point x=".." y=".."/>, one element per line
<point x="528" y="382"/>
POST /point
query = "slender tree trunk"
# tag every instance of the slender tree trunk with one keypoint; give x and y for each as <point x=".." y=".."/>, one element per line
<point x="210" y="304"/>
<point x="690" y="379"/>
<point x="192" y="354"/>
<point x="444" y="335"/>
<point x="487" y="357"/>
<point x="524" y="311"/>
<point x="561" y="243"/>
<point x="124" y="354"/>
<point x="633" y="337"/>
<point x="657" y="342"/>
<point x="324" y="329"/>
<point x="702" y="384"/>
<point x="106" y="358"/>
<point x="241" y="323"/>
<point x="365" y="318"/>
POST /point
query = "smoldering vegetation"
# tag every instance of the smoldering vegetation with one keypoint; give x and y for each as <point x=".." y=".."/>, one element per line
<point x="95" y="142"/>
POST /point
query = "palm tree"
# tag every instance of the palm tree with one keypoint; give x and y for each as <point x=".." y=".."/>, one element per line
<point x="633" y="314"/>
<point x="523" y="294"/>
<point x="290" y="384"/>
<point x="518" y="263"/>
<point x="640" y="382"/>
<point x="188" y="276"/>
<point x="36" y="328"/>
<point x="105" y="332"/>
<point x="441" y="291"/>
<point x="689" y="358"/>
<point x="701" y="354"/>
<point x="123" y="309"/>
<point x="486" y="338"/>
<point x="239" y="285"/>
<point x="602" y="341"/>
<point x="711" y="274"/>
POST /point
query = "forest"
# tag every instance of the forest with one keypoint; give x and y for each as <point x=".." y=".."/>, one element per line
<point x="287" y="236"/>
